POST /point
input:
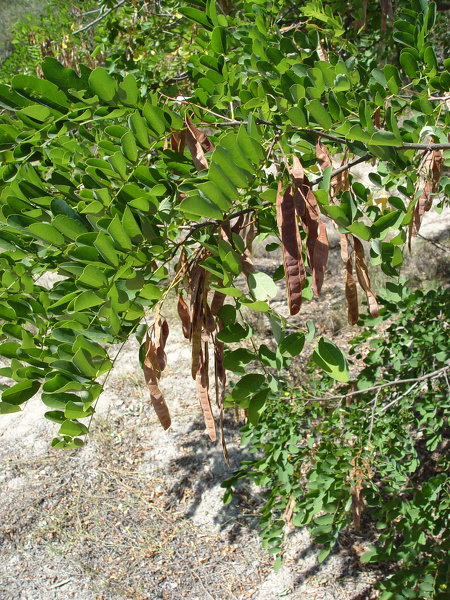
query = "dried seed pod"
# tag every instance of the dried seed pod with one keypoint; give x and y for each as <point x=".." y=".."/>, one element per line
<point x="344" y="247"/>
<point x="210" y="322"/>
<point x="292" y="248"/>
<point x="161" y="333"/>
<point x="298" y="176"/>
<point x="200" y="136"/>
<point x="196" y="349"/>
<point x="320" y="259"/>
<point x="202" y="389"/>
<point x="178" y="141"/>
<point x="197" y="141"/>
<point x="217" y="302"/>
<point x="158" y="402"/>
<point x="363" y="276"/>
<point x="152" y="372"/>
<point x="311" y="221"/>
<point x="183" y="312"/>
<point x="351" y="293"/>
<point x="323" y="156"/>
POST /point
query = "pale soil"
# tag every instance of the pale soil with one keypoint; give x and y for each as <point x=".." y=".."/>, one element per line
<point x="138" y="512"/>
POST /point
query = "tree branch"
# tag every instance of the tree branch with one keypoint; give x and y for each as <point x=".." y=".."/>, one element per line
<point x="328" y="136"/>
<point x="440" y="246"/>
<point x="95" y="21"/>
<point x="349" y="165"/>
<point x="382" y="385"/>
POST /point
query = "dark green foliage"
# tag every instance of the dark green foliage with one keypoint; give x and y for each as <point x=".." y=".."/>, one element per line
<point x="377" y="459"/>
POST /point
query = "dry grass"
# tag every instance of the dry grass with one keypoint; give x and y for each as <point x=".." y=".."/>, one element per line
<point x="96" y="517"/>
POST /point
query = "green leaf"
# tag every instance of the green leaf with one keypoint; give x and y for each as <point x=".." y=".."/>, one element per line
<point x="46" y="232"/>
<point x="104" y="246"/>
<point x="219" y="40"/>
<point x="93" y="277"/>
<point x="331" y="359"/>
<point x="87" y="300"/>
<point x="44" y="92"/>
<point x="128" y="91"/>
<point x="139" y="129"/>
<point x="65" y="78"/>
<point x="292" y="345"/>
<point x="155" y="118"/>
<point x="129" y="147"/>
<point x="218" y="176"/>
<point x="247" y="385"/>
<point x="311" y="331"/>
<point x="202" y="207"/>
<point x="409" y="64"/>
<point x="390" y="221"/>
<point x="196" y="15"/>
<point x="59" y="383"/>
<point x="227" y="314"/>
<point x="9" y="349"/>
<point x="72" y="428"/>
<point x="256" y="406"/>
<point x="320" y="114"/>
<point x="119" y="235"/>
<point x="36" y="112"/>
<point x="358" y="134"/>
<point x="369" y="556"/>
<point x="69" y="227"/>
<point x="360" y="230"/>
<point x="20" y="392"/>
<point x="212" y="192"/>
<point x="258" y="306"/>
<point x="76" y="410"/>
<point x="237" y="360"/>
<point x="233" y="333"/>
<point x="236" y="173"/>
<point x="150" y="291"/>
<point x="323" y="554"/>
<point x="261" y="286"/>
<point x="83" y="362"/>
<point x="250" y="146"/>
<point x="56" y="416"/>
<point x="385" y="138"/>
<point x="118" y="163"/>
<point x="58" y="401"/>
<point x="7" y="409"/>
<point x="103" y="85"/>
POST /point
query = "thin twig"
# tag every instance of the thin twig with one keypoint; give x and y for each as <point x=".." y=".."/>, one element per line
<point x="100" y="18"/>
<point x="345" y="167"/>
<point x="201" y="583"/>
<point x="90" y="12"/>
<point x="440" y="246"/>
<point x="59" y="584"/>
<point x="372" y="418"/>
<point x="382" y="385"/>
<point x="385" y="408"/>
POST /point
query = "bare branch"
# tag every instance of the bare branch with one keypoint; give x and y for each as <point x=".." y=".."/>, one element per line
<point x="372" y="417"/>
<point x="440" y="246"/>
<point x="349" y="165"/>
<point x="385" y="408"/>
<point x="101" y="17"/>
<point x="382" y="385"/>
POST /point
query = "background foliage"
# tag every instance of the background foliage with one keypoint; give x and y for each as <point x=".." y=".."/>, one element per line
<point x="207" y="127"/>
